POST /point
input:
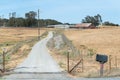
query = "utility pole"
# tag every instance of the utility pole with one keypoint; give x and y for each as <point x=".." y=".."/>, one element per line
<point x="38" y="26"/>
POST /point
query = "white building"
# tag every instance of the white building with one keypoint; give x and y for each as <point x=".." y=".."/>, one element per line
<point x="58" y="26"/>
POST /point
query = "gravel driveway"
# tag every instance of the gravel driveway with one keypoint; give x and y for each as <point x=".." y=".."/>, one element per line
<point x="39" y="60"/>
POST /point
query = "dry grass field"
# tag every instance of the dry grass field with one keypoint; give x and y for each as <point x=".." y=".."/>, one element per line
<point x="18" y="34"/>
<point x="104" y="40"/>
<point x="15" y="35"/>
<point x="12" y="36"/>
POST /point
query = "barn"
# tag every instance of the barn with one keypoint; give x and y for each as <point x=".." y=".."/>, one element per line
<point x="85" y="26"/>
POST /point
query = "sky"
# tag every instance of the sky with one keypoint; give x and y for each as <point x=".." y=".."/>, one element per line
<point x="65" y="11"/>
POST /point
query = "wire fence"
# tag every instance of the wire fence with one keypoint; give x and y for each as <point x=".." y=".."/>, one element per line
<point x="90" y="65"/>
<point x="83" y="61"/>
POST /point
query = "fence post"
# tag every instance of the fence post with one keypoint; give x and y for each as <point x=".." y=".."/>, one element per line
<point x="82" y="65"/>
<point x="3" y="61"/>
<point x="68" y="62"/>
<point x="82" y="57"/>
<point x="116" y="62"/>
<point x="109" y="62"/>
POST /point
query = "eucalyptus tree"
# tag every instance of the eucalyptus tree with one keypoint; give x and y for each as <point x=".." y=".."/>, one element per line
<point x="96" y="20"/>
<point x="31" y="19"/>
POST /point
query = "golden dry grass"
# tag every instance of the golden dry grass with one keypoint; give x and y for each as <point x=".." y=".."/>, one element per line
<point x="105" y="40"/>
<point x="18" y="34"/>
<point x="13" y="35"/>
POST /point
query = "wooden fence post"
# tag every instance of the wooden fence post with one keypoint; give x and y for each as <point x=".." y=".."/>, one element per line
<point x="109" y="62"/>
<point x="82" y="65"/>
<point x="68" y="62"/>
<point x="116" y="62"/>
<point x="3" y="61"/>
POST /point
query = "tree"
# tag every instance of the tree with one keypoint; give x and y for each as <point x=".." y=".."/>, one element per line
<point x="107" y="23"/>
<point x="96" y="20"/>
<point x="99" y="18"/>
<point x="12" y="19"/>
<point x="45" y="22"/>
<point x="20" y="22"/>
<point x="51" y="22"/>
<point x="31" y="15"/>
<point x="30" y="19"/>
<point x="1" y="21"/>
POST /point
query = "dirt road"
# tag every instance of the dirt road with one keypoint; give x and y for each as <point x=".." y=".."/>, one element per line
<point x="39" y="60"/>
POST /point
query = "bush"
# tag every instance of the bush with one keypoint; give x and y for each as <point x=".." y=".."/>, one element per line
<point x="91" y="52"/>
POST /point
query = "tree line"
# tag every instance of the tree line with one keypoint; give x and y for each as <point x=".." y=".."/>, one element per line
<point x="97" y="20"/>
<point x="107" y="23"/>
<point x="30" y="20"/>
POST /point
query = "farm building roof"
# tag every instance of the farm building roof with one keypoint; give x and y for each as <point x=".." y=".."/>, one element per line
<point x="83" y="25"/>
